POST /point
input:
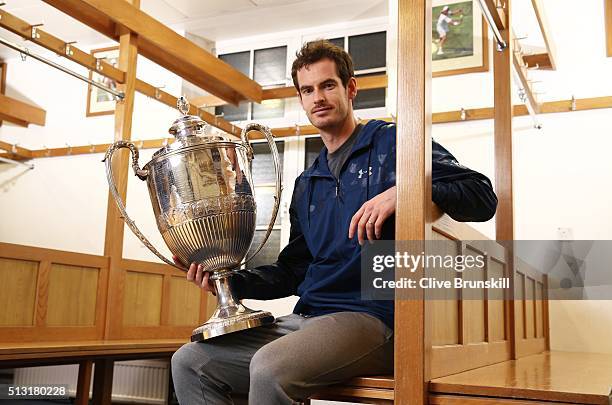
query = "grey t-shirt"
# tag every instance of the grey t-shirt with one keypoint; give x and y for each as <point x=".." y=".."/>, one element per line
<point x="336" y="160"/>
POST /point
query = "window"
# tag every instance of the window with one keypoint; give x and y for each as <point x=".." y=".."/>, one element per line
<point x="268" y="67"/>
<point x="369" y="53"/>
<point x="264" y="183"/>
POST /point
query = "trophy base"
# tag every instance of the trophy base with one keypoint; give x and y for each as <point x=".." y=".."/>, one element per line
<point x="217" y="326"/>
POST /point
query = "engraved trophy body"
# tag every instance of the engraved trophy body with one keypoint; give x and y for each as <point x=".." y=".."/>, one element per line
<point x="202" y="194"/>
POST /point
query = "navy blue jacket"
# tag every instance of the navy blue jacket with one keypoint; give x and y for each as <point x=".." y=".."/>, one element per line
<point x="321" y="264"/>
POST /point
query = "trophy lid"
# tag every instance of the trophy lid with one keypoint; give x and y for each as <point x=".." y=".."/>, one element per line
<point x="191" y="130"/>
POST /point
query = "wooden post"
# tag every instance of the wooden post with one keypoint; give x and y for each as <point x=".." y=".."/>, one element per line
<point x="103" y="382"/>
<point x="83" y="383"/>
<point x="413" y="220"/>
<point x="504" y="231"/>
<point x="608" y="14"/>
<point x="113" y="244"/>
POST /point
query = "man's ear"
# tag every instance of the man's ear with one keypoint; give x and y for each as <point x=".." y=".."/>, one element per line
<point x="352" y="88"/>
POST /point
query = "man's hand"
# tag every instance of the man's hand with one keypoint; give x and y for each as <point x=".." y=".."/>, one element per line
<point x="198" y="276"/>
<point x="369" y="219"/>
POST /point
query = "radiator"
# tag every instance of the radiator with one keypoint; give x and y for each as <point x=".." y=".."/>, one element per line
<point x="139" y="381"/>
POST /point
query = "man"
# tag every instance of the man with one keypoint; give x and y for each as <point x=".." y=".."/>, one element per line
<point x="346" y="197"/>
<point x="442" y="27"/>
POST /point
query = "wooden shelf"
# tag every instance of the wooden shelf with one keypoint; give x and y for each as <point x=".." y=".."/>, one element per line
<point x="20" y="113"/>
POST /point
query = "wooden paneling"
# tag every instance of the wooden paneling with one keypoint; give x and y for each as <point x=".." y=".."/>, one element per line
<point x="18" y="112"/>
<point x="519" y="313"/>
<point x="452" y="359"/>
<point x="529" y="308"/>
<point x="184" y="302"/>
<point x="474" y="317"/>
<point x="17" y="300"/>
<point x="497" y="313"/>
<point x="444" y="317"/>
<point x="539" y="310"/>
<point x="554" y="376"/>
<point x="531" y="311"/>
<point x="72" y="295"/>
<point x="142" y="300"/>
<point x="69" y="297"/>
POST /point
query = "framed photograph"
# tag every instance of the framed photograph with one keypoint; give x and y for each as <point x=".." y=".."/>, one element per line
<point x="459" y="38"/>
<point x="99" y="102"/>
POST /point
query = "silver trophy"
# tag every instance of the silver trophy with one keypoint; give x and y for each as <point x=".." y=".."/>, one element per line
<point x="201" y="188"/>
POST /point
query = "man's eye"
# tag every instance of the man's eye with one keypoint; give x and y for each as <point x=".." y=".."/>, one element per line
<point x="306" y="91"/>
<point x="330" y="85"/>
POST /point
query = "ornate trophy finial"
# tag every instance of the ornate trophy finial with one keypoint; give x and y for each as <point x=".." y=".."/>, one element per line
<point x="183" y="105"/>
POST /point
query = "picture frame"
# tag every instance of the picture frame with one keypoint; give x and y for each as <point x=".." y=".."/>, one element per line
<point x="100" y="102"/>
<point x="466" y="46"/>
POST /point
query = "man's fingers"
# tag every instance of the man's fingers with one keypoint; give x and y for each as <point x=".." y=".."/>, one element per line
<point x="380" y="220"/>
<point x="361" y="227"/>
<point x="355" y="221"/>
<point x="191" y="273"/>
<point x="207" y="285"/>
<point x="199" y="275"/>
<point x="370" y="227"/>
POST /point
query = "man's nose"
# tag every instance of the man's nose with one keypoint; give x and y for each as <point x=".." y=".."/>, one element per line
<point x="318" y="96"/>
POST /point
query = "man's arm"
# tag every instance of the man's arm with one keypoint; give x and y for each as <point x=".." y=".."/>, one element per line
<point x="464" y="194"/>
<point x="279" y="279"/>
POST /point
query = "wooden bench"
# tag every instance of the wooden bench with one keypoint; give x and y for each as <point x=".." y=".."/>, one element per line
<point x="102" y="353"/>
<point x="540" y="379"/>
<point x="546" y="378"/>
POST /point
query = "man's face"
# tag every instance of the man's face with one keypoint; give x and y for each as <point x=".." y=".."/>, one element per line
<point x="325" y="100"/>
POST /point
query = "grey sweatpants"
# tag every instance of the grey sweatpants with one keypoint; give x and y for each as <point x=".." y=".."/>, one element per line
<point x="282" y="363"/>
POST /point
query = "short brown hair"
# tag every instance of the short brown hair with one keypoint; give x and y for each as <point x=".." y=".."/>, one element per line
<point x="320" y="49"/>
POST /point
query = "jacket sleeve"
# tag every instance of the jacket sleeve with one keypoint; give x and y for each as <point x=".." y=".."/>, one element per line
<point x="464" y="194"/>
<point x="281" y="278"/>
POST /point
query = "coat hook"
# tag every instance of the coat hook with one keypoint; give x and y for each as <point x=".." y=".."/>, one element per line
<point x="47" y="151"/>
<point x="463" y="115"/>
<point x="573" y="106"/>
<point x="298" y="130"/>
<point x="92" y="147"/>
<point x="158" y="94"/>
<point x="34" y="34"/>
<point x="68" y="49"/>
<point x="141" y="144"/>
<point x="69" y="149"/>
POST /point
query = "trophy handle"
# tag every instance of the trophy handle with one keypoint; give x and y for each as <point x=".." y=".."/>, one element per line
<point x="279" y="187"/>
<point x="142" y="175"/>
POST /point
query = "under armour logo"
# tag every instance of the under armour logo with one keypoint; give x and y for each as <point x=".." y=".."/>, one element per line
<point x="361" y="172"/>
